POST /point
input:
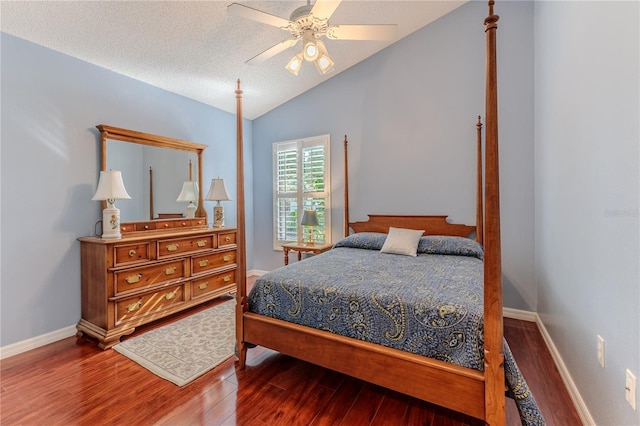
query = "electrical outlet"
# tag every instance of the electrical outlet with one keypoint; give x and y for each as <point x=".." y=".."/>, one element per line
<point x="600" y="353"/>
<point x="630" y="389"/>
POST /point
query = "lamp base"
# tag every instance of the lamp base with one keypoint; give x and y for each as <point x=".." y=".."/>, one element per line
<point x="191" y="210"/>
<point x="218" y="216"/>
<point x="308" y="238"/>
<point x="111" y="222"/>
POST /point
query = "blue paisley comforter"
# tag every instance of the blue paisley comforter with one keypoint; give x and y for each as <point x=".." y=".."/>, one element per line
<point x="431" y="304"/>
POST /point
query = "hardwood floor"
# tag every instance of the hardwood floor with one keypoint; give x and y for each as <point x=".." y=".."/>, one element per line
<point x="73" y="382"/>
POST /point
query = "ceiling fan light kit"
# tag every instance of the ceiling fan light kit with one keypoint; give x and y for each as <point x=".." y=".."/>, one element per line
<point x="309" y="23"/>
<point x="310" y="50"/>
<point x="295" y="64"/>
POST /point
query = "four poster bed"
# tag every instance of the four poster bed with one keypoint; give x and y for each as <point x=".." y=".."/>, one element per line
<point x="428" y="325"/>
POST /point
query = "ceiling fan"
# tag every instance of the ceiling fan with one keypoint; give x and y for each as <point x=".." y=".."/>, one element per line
<point x="309" y="23"/>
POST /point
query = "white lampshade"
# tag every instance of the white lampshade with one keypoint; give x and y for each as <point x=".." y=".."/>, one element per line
<point x="111" y="187"/>
<point x="217" y="192"/>
<point x="189" y="194"/>
<point x="189" y="191"/>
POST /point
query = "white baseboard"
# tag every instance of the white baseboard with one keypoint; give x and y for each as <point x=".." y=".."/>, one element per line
<point x="36" y="342"/>
<point x="578" y="402"/>
<point x="520" y="314"/>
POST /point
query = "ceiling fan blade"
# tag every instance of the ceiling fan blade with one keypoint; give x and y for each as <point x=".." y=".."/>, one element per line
<point x="323" y="9"/>
<point x="243" y="11"/>
<point x="362" y="32"/>
<point x="272" y="51"/>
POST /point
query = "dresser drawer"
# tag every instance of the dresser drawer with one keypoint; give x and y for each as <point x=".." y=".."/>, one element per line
<point x="132" y="279"/>
<point x="226" y="239"/>
<point x="132" y="253"/>
<point x="198" y="222"/>
<point x="164" y="224"/>
<point x="144" y="226"/>
<point x="208" y="262"/>
<point x="184" y="245"/>
<point x="184" y="223"/>
<point x="203" y="286"/>
<point x="151" y="303"/>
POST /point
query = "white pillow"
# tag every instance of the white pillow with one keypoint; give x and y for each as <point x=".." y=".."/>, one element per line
<point x="402" y="241"/>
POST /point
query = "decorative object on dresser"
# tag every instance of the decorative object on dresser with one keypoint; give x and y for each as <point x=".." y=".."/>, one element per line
<point x="149" y="275"/>
<point x="110" y="189"/>
<point x="186" y="349"/>
<point x="189" y="194"/>
<point x="218" y="192"/>
<point x="309" y="220"/>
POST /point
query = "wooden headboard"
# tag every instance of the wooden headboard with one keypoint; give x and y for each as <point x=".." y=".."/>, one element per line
<point x="432" y="225"/>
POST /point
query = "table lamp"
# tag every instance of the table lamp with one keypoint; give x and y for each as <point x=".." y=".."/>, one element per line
<point x="189" y="194"/>
<point x="110" y="189"/>
<point x="309" y="219"/>
<point x="218" y="192"/>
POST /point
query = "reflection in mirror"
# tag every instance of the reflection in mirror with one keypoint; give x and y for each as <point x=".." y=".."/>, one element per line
<point x="154" y="169"/>
<point x="153" y="176"/>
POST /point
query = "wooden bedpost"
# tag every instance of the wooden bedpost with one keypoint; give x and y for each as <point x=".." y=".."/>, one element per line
<point x="241" y="296"/>
<point x="346" y="189"/>
<point x="479" y="196"/>
<point x="493" y="326"/>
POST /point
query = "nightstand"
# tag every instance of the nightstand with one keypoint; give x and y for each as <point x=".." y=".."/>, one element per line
<point x="304" y="248"/>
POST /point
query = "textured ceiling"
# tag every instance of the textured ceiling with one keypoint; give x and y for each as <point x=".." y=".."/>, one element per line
<point x="196" y="49"/>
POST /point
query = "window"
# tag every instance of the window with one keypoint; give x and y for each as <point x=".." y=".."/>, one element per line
<point x="301" y="181"/>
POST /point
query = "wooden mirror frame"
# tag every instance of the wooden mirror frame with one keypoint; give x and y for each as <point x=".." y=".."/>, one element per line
<point x="132" y="136"/>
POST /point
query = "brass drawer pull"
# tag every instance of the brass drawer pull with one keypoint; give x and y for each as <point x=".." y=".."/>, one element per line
<point x="132" y="279"/>
<point x="170" y="271"/>
<point x="227" y="278"/>
<point x="227" y="239"/>
<point x="171" y="294"/>
<point x="203" y="263"/>
<point x="132" y="253"/>
<point x="201" y="243"/>
<point x="184" y="224"/>
<point x="172" y="247"/>
<point x="134" y="306"/>
<point x="227" y="258"/>
<point x="203" y="285"/>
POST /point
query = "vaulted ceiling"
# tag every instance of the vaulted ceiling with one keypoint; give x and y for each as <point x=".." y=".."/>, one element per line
<point x="198" y="50"/>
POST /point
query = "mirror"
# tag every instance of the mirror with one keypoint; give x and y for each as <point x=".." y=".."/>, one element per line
<point x="154" y="169"/>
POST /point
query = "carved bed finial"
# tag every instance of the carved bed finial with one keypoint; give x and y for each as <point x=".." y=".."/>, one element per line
<point x="490" y="22"/>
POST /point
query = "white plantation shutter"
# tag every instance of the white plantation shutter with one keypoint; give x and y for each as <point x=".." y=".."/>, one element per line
<point x="301" y="181"/>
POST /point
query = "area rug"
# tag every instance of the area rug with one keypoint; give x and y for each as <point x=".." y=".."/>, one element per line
<point x="186" y="349"/>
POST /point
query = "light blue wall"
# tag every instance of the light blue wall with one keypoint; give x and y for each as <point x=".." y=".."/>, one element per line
<point x="587" y="193"/>
<point x="51" y="104"/>
<point x="410" y="114"/>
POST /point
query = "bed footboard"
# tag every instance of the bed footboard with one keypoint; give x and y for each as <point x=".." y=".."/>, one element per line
<point x="457" y="388"/>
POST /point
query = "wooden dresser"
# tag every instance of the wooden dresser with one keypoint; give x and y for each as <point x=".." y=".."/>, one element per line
<point x="140" y="278"/>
